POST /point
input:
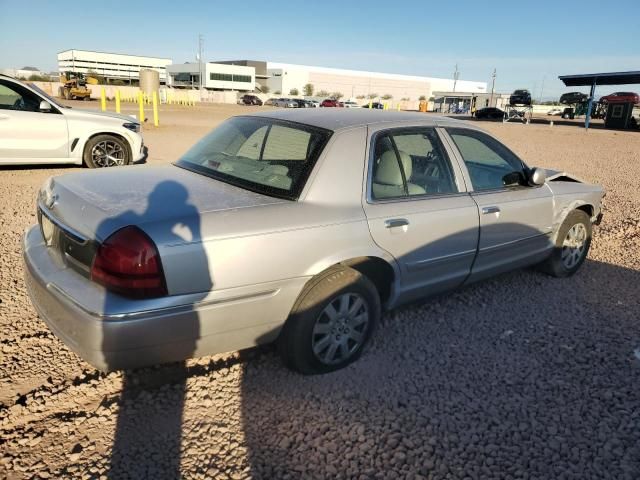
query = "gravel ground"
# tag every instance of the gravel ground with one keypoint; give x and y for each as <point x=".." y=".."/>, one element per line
<point x="523" y="376"/>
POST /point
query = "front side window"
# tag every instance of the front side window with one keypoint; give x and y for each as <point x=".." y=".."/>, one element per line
<point x="410" y="162"/>
<point x="260" y="154"/>
<point x="16" y="97"/>
<point x="490" y="164"/>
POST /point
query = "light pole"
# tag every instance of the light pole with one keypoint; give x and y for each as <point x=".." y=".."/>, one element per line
<point x="200" y="69"/>
<point x="493" y="86"/>
<point x="456" y="75"/>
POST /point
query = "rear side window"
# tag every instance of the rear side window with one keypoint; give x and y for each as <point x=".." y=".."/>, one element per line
<point x="410" y="162"/>
<point x="261" y="154"/>
<point x="490" y="164"/>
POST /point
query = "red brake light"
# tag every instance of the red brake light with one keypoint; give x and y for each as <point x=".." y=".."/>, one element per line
<point x="128" y="263"/>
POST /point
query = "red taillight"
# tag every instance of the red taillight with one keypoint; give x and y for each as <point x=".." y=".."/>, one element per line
<point x="128" y="263"/>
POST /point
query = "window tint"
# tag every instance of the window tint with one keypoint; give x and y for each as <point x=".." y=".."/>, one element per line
<point x="16" y="97"/>
<point x="410" y="162"/>
<point x="490" y="164"/>
<point x="260" y="154"/>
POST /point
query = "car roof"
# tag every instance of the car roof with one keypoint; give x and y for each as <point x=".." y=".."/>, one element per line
<point x="340" y="119"/>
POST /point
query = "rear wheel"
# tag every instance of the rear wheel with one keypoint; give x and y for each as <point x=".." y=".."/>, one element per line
<point x="331" y="322"/>
<point x="106" y="151"/>
<point x="572" y="246"/>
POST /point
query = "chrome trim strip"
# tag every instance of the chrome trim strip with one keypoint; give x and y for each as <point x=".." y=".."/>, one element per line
<point x="78" y="237"/>
<point x="513" y="242"/>
<point x="163" y="310"/>
<point x="419" y="264"/>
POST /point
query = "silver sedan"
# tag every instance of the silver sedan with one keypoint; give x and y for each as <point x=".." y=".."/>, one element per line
<point x="295" y="226"/>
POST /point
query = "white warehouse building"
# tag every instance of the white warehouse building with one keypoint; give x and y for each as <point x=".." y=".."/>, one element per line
<point x="217" y="76"/>
<point x="112" y="66"/>
<point x="283" y="77"/>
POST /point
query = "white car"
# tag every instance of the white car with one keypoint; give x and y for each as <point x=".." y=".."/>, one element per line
<point x="554" y="111"/>
<point x="36" y="129"/>
<point x="315" y="103"/>
<point x="351" y="104"/>
<point x="285" y="102"/>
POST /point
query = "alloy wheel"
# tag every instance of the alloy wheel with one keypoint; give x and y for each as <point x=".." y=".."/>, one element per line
<point x="340" y="329"/>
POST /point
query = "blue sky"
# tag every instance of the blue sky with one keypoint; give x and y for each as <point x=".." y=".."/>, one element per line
<point x="529" y="43"/>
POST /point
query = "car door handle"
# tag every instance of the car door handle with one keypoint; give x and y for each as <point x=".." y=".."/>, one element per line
<point x="488" y="210"/>
<point x="396" y="222"/>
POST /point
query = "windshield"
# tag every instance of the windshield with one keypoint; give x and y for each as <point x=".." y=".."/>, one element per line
<point x="261" y="154"/>
<point x="45" y="95"/>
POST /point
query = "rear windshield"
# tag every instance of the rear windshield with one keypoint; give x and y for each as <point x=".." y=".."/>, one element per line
<point x="261" y="154"/>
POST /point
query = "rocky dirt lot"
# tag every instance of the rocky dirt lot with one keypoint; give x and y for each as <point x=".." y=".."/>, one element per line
<point x="523" y="376"/>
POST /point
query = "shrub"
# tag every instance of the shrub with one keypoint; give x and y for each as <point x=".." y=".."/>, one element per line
<point x="422" y="98"/>
<point x="373" y="95"/>
<point x="337" y="95"/>
<point x="387" y="96"/>
<point x="264" y="89"/>
<point x="293" y="91"/>
<point x="322" y="93"/>
<point x="308" y="89"/>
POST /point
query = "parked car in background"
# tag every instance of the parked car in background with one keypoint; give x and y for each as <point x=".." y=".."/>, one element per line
<point x="331" y="102"/>
<point x="350" y="104"/>
<point x="251" y="100"/>
<point x="571" y="98"/>
<point x="285" y="102"/>
<point x="302" y="103"/>
<point x="270" y="101"/>
<point x="621" y="97"/>
<point x="520" y="97"/>
<point x="133" y="267"/>
<point x="554" y="111"/>
<point x="490" y="113"/>
<point x="314" y="103"/>
<point x="36" y="129"/>
<point x="374" y="105"/>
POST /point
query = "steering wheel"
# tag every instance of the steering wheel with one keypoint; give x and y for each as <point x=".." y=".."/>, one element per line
<point x="432" y="165"/>
<point x="19" y="104"/>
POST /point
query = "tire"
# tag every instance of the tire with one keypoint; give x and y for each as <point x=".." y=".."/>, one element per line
<point x="565" y="260"/>
<point x="310" y="335"/>
<point x="101" y="150"/>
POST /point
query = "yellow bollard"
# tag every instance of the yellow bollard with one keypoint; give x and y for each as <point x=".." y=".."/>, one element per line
<point x="398" y="107"/>
<point x="117" y="101"/>
<point x="370" y="103"/>
<point x="141" y="105"/>
<point x="103" y="99"/>
<point x="155" y="109"/>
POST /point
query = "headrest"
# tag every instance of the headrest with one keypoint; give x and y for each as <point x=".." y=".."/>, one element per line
<point x="388" y="172"/>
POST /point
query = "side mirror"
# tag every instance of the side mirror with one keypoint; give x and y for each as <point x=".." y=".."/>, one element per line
<point x="44" y="106"/>
<point x="537" y="176"/>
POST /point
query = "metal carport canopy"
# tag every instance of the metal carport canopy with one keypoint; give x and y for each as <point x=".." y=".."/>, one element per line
<point x="588" y="79"/>
<point x="593" y="79"/>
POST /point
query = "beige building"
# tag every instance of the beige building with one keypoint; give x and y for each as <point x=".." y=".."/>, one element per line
<point x="354" y="83"/>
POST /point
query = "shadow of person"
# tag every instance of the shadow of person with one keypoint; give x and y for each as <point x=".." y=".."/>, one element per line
<point x="147" y="439"/>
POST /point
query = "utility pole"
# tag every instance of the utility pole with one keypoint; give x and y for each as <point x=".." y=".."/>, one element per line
<point x="542" y="88"/>
<point x="456" y="75"/>
<point x="200" y="67"/>
<point x="493" y="86"/>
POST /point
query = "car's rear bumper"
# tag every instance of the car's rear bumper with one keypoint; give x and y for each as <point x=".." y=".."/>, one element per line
<point x="123" y="333"/>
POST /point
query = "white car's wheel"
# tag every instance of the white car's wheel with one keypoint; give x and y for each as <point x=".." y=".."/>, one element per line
<point x="106" y="151"/>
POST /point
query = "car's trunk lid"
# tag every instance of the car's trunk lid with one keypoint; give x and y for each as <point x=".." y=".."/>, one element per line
<point x="85" y="208"/>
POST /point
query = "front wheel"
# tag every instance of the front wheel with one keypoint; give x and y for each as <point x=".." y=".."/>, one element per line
<point x="571" y="247"/>
<point x="331" y="322"/>
<point x="106" y="151"/>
